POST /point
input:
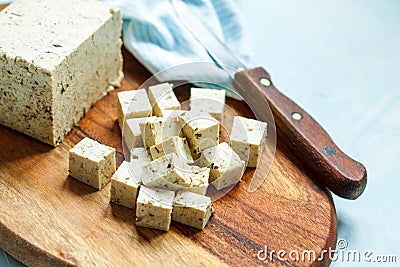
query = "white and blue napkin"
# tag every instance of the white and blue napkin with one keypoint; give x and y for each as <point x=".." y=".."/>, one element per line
<point x="154" y="34"/>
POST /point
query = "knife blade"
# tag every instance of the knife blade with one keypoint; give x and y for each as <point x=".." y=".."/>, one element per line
<point x="341" y="174"/>
<point x="254" y="100"/>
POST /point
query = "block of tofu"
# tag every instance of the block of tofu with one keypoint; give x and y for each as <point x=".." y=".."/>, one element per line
<point x="208" y="100"/>
<point x="226" y="167"/>
<point x="175" y="144"/>
<point x="201" y="130"/>
<point x="132" y="133"/>
<point x="192" y="209"/>
<point x="152" y="132"/>
<point x="124" y="187"/>
<point x="154" y="208"/>
<point x="92" y="163"/>
<point x="132" y="104"/>
<point x="172" y="125"/>
<point x="172" y="173"/>
<point x="248" y="138"/>
<point x="162" y="97"/>
<point x="138" y="159"/>
<point x="56" y="61"/>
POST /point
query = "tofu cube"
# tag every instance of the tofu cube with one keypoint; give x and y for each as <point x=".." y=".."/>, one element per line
<point x="138" y="159"/>
<point x="92" y="163"/>
<point x="201" y="130"/>
<point x="162" y="97"/>
<point x="132" y="133"/>
<point x="192" y="209"/>
<point x="185" y="176"/>
<point x="165" y="113"/>
<point x="152" y="132"/>
<point x="226" y="167"/>
<point x="56" y="60"/>
<point x="154" y="208"/>
<point x="132" y="104"/>
<point x="124" y="187"/>
<point x="172" y="125"/>
<point x="208" y="100"/>
<point x="175" y="144"/>
<point x="248" y="138"/>
<point x="172" y="173"/>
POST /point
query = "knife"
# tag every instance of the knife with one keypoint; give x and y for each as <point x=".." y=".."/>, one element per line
<point x="342" y="175"/>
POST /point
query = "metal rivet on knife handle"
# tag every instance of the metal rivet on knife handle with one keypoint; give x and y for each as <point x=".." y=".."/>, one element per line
<point x="296" y="116"/>
<point x="266" y="82"/>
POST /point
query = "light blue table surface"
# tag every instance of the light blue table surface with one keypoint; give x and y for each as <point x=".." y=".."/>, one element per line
<point x="340" y="60"/>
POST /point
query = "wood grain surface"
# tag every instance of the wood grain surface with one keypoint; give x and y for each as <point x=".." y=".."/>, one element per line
<point x="50" y="219"/>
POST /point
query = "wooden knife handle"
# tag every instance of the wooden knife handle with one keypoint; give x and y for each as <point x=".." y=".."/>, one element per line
<point x="341" y="174"/>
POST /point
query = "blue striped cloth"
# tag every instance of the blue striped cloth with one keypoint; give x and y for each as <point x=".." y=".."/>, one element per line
<point x="156" y="37"/>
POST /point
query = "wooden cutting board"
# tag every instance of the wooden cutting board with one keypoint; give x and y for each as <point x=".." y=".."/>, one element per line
<point x="48" y="218"/>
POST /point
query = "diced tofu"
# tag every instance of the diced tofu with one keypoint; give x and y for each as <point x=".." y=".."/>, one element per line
<point x="152" y="132"/>
<point x="165" y="113"/>
<point x="154" y="172"/>
<point x="175" y="144"/>
<point x="172" y="125"/>
<point x="57" y="59"/>
<point x="132" y="104"/>
<point x="248" y="139"/>
<point x="201" y="131"/>
<point x="192" y="209"/>
<point x="124" y="187"/>
<point x="172" y="173"/>
<point x="162" y="97"/>
<point x="132" y="133"/>
<point x="208" y="100"/>
<point x="92" y="163"/>
<point x="226" y="166"/>
<point x="181" y="174"/>
<point x="139" y="158"/>
<point x="154" y="208"/>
